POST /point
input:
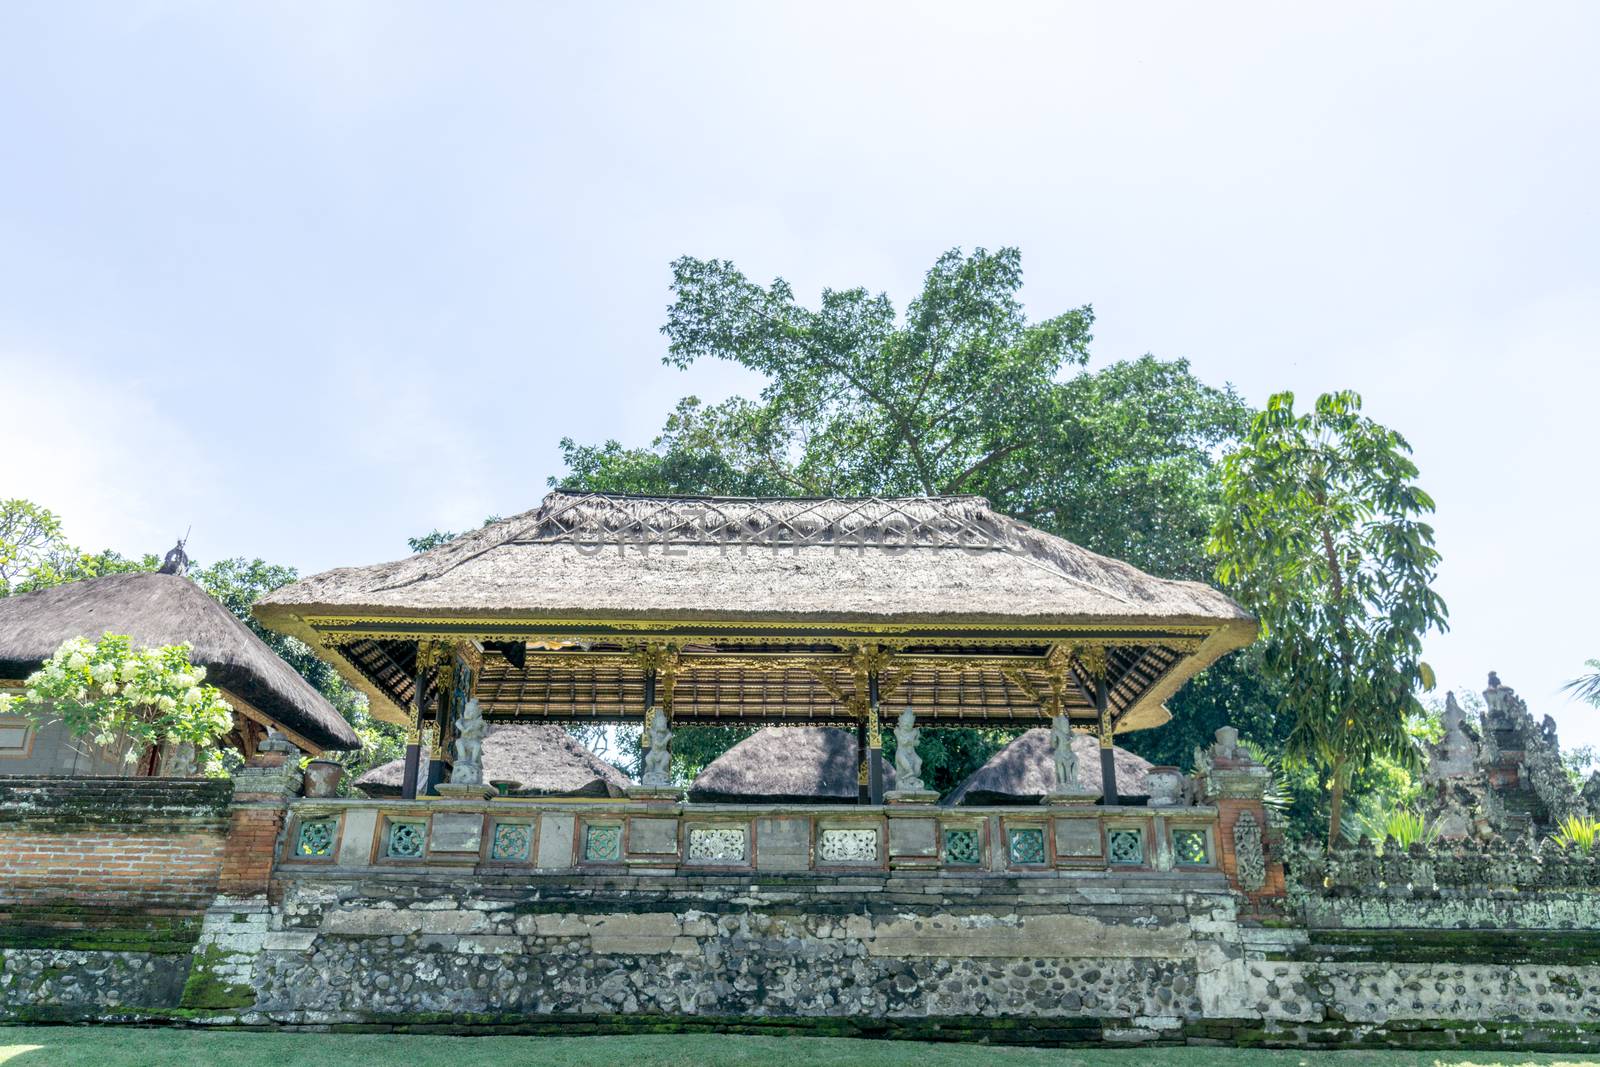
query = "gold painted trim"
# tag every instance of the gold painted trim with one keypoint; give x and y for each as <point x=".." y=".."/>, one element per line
<point x="534" y="628"/>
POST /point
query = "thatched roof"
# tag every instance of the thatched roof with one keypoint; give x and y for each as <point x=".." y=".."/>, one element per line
<point x="712" y="575"/>
<point x="545" y="759"/>
<point x="166" y="609"/>
<point x="872" y="559"/>
<point x="804" y="764"/>
<point x="1024" y="771"/>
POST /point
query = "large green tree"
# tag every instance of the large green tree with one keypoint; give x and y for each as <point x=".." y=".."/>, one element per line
<point x="963" y="393"/>
<point x="1321" y="535"/>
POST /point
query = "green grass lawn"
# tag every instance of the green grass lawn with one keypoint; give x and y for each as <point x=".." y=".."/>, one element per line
<point x="110" y="1047"/>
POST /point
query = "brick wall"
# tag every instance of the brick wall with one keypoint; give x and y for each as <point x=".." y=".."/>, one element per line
<point x="110" y="843"/>
<point x="1228" y="812"/>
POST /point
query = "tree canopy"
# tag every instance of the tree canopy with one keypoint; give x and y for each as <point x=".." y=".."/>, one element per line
<point x="1322" y="538"/>
<point x="962" y="393"/>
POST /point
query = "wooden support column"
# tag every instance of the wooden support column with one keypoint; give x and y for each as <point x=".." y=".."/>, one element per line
<point x="874" y="743"/>
<point x="649" y="708"/>
<point x="863" y="774"/>
<point x="1108" y="756"/>
<point x="408" y="781"/>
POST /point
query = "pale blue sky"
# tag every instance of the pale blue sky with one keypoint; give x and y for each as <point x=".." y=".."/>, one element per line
<point x="312" y="278"/>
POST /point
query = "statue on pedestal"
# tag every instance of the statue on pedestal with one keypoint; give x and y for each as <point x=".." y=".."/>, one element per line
<point x="658" y="757"/>
<point x="907" y="763"/>
<point x="1066" y="760"/>
<point x="468" y="768"/>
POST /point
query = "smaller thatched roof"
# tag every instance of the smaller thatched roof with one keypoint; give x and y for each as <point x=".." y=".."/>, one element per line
<point x="1025" y="770"/>
<point x="545" y="759"/>
<point x="157" y="610"/>
<point x="804" y="764"/>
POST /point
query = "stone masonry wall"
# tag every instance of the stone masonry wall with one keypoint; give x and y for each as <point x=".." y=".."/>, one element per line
<point x="386" y="948"/>
<point x="334" y="930"/>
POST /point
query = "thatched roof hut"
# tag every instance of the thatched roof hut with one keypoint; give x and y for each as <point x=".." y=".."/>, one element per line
<point x="549" y="594"/>
<point x="799" y="764"/>
<point x="1025" y="770"/>
<point x="167" y="609"/>
<point x="544" y="759"/>
<point x="894" y="551"/>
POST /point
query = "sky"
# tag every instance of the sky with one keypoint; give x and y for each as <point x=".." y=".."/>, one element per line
<point x="313" y="278"/>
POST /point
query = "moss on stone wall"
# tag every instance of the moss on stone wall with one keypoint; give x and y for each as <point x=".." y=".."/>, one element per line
<point x="207" y="988"/>
<point x="93" y="930"/>
<point x="1549" y="947"/>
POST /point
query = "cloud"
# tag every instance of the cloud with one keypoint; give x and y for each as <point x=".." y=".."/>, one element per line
<point x="111" y="457"/>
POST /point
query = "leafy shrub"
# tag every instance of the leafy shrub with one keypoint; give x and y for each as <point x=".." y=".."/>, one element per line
<point x="1579" y="833"/>
<point x="110" y="690"/>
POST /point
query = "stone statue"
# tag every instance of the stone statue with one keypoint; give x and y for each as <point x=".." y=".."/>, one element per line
<point x="468" y="769"/>
<point x="176" y="561"/>
<point x="1066" y="760"/>
<point x="658" y="757"/>
<point x="1456" y="753"/>
<point x="907" y="764"/>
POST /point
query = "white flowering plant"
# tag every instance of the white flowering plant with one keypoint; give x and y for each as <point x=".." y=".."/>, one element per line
<point x="110" y="689"/>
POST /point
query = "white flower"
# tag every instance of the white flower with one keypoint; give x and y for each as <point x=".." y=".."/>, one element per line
<point x="192" y="697"/>
<point x="166" y="703"/>
<point x="77" y="661"/>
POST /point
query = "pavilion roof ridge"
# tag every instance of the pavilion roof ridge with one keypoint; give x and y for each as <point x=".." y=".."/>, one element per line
<point x="875" y="558"/>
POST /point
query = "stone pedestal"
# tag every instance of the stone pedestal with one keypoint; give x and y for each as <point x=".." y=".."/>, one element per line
<point x="1071" y="800"/>
<point x="655" y="794"/>
<point x="461" y="791"/>
<point x="911" y="798"/>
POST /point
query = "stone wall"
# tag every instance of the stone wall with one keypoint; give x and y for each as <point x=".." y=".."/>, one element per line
<point x="1026" y="925"/>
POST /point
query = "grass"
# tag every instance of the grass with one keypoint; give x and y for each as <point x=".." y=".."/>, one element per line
<point x="113" y="1047"/>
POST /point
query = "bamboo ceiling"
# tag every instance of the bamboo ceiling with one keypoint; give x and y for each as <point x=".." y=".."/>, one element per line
<point x="795" y="683"/>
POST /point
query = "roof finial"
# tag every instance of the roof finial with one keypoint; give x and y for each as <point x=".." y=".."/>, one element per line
<point x="177" y="561"/>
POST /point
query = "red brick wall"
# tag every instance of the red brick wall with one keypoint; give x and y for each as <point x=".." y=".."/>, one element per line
<point x="247" y="856"/>
<point x="1228" y="810"/>
<point x="110" y="843"/>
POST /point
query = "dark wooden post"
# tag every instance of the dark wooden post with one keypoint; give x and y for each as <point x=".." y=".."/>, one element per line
<point x="649" y="706"/>
<point x="1108" y="757"/>
<point x="408" y="782"/>
<point x="874" y="743"/>
<point x="863" y="774"/>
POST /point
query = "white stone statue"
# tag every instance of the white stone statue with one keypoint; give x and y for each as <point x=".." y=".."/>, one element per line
<point x="1066" y="760"/>
<point x="658" y="757"/>
<point x="907" y="764"/>
<point x="468" y="768"/>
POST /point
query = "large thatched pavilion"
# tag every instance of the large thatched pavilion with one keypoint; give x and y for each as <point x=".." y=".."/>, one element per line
<point x="596" y="607"/>
<point x="156" y="610"/>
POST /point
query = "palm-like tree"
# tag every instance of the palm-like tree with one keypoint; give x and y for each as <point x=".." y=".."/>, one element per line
<point x="1586" y="687"/>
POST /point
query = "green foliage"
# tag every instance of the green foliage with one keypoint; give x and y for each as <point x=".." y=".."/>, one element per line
<point x="1381" y="824"/>
<point x="114" y="693"/>
<point x="35" y="554"/>
<point x="960" y="394"/>
<point x="436" y="537"/>
<point x="1320" y="536"/>
<point x="1580" y="833"/>
<point x="1586" y="687"/>
<point x="29" y="534"/>
<point x="1579" y="763"/>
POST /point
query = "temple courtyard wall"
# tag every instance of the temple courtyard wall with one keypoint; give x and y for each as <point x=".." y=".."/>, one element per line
<point x="174" y="901"/>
